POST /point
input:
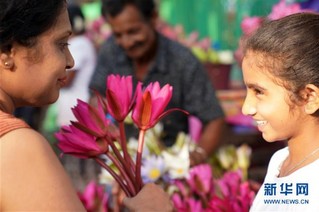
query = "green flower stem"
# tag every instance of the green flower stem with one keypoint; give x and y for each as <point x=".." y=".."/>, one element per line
<point x="123" y="172"/>
<point x="115" y="176"/>
<point x="127" y="167"/>
<point x="127" y="157"/>
<point x="139" y="158"/>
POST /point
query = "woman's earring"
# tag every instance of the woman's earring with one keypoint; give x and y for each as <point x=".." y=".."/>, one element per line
<point x="8" y="64"/>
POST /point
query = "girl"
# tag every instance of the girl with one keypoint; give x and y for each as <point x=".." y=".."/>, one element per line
<point x="280" y="70"/>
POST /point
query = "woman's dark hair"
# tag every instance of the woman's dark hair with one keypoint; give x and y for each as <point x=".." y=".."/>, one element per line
<point x="22" y="21"/>
<point x="290" y="48"/>
<point x="114" y="7"/>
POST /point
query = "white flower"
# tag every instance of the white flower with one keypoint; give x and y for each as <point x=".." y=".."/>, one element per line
<point x="226" y="156"/>
<point x="243" y="156"/>
<point x="153" y="168"/>
<point x="177" y="164"/>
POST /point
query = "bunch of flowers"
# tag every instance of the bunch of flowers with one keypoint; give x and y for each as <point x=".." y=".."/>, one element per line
<point x="125" y="161"/>
<point x="219" y="185"/>
<point x="94" y="136"/>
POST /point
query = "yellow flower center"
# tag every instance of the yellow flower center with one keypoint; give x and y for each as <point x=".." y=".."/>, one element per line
<point x="180" y="171"/>
<point x="154" y="174"/>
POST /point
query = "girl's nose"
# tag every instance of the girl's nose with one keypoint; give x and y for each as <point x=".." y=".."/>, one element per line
<point x="248" y="108"/>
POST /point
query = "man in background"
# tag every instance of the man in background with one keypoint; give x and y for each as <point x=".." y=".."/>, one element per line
<point x="137" y="49"/>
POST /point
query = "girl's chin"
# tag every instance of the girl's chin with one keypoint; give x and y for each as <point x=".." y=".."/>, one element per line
<point x="271" y="139"/>
<point x="268" y="139"/>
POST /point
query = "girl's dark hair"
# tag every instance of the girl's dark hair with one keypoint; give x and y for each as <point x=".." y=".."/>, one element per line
<point x="22" y="21"/>
<point x="290" y="48"/>
<point x="114" y="7"/>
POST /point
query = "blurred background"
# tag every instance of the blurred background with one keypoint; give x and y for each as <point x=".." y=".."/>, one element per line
<point x="212" y="29"/>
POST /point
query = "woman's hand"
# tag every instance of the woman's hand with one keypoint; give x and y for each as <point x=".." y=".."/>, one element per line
<point x="150" y="198"/>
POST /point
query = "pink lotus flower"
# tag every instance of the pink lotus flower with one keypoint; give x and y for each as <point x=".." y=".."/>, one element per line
<point x="149" y="108"/>
<point x="119" y="103"/>
<point x="80" y="144"/>
<point x="219" y="204"/>
<point x="90" y="135"/>
<point x="250" y="24"/>
<point x="150" y="104"/>
<point x="187" y="204"/>
<point x="91" y="120"/>
<point x="119" y="96"/>
<point x="230" y="183"/>
<point x="283" y="9"/>
<point x="238" y="195"/>
<point x="94" y="198"/>
<point x="93" y="134"/>
<point x="200" y="179"/>
<point x="178" y="202"/>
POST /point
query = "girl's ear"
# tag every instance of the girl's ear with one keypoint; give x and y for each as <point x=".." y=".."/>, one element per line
<point x="312" y="98"/>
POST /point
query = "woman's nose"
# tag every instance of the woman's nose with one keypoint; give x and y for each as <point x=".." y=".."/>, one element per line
<point x="69" y="60"/>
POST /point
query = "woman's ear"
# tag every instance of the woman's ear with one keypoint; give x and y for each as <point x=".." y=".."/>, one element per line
<point x="311" y="93"/>
<point x="6" y="61"/>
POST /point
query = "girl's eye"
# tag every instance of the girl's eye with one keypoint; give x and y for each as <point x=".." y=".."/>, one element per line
<point x="258" y="91"/>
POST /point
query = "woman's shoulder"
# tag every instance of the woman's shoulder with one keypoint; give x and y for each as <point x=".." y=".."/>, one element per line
<point x="32" y="176"/>
<point x="21" y="140"/>
<point x="9" y="123"/>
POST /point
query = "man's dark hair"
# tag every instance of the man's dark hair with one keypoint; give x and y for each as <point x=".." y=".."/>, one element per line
<point x="114" y="7"/>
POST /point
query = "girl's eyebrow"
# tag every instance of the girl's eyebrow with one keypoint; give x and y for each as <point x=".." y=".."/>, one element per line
<point x="255" y="86"/>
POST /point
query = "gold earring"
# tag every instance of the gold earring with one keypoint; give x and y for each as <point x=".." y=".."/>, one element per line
<point x="7" y="64"/>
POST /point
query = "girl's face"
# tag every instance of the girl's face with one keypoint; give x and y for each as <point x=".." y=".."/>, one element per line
<point x="40" y="71"/>
<point x="268" y="103"/>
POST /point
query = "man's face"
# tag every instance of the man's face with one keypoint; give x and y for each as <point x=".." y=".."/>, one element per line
<point x="132" y="32"/>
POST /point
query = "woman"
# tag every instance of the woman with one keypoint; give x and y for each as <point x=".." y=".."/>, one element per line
<point x="34" y="56"/>
<point x="33" y="59"/>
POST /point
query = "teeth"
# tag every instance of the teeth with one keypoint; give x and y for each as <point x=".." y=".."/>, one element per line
<point x="261" y="123"/>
